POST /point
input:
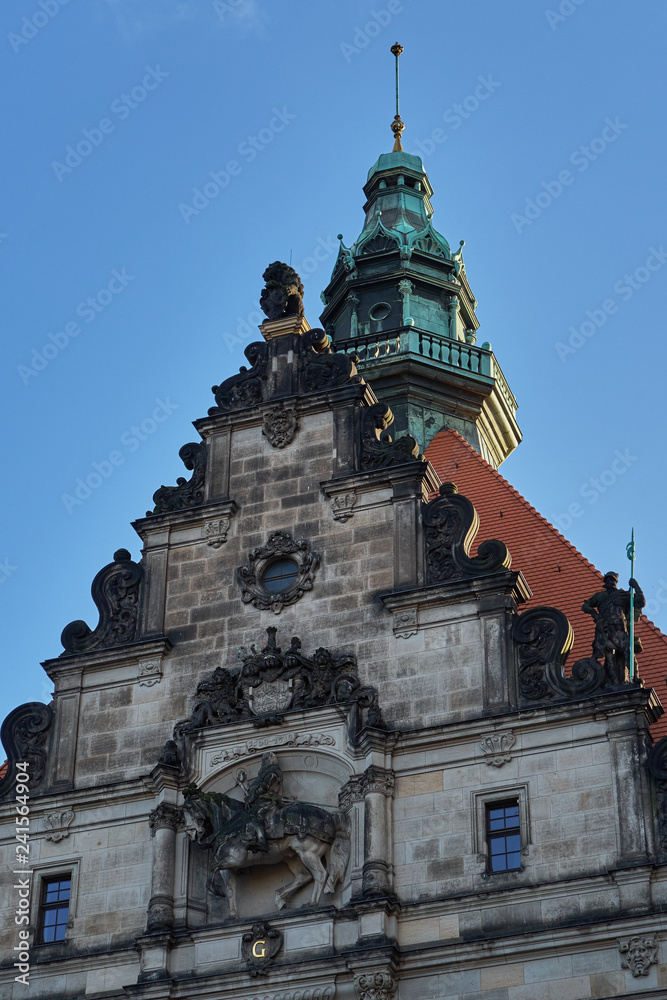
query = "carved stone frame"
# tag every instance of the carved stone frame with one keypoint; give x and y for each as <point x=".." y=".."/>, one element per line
<point x="249" y="576"/>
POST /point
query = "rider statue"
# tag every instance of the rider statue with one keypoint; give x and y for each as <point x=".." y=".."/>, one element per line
<point x="610" y="610"/>
<point x="262" y="796"/>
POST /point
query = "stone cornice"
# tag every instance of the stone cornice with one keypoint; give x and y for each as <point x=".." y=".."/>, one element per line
<point x="111" y="656"/>
<point x="145" y="527"/>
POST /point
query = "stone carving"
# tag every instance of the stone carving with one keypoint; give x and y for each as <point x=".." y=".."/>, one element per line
<point x="215" y="531"/>
<point x="115" y="591"/>
<point x="374" y="986"/>
<point x="283" y="293"/>
<point x="259" y="947"/>
<point x="327" y="992"/>
<point x="405" y="623"/>
<point x="58" y="824"/>
<point x="450" y="526"/>
<point x="273" y="742"/>
<point x="321" y="368"/>
<point x="280" y="425"/>
<point x="610" y="610"/>
<point x="165" y="816"/>
<point x="378" y="448"/>
<point x="378" y="779"/>
<point x="266" y="828"/>
<point x="639" y="954"/>
<point x="496" y="747"/>
<point x="323" y="679"/>
<point x="244" y="389"/>
<point x="342" y="505"/>
<point x="187" y="492"/>
<point x="250" y="576"/>
<point x="169" y="756"/>
<point x="24" y="736"/>
<point x="544" y="637"/>
<point x="150" y="672"/>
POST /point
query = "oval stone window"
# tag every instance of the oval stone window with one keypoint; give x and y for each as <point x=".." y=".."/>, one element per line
<point x="379" y="311"/>
<point x="280" y="575"/>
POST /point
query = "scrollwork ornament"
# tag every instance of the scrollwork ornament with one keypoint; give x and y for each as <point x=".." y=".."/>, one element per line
<point x="379" y="985"/>
<point x="544" y="638"/>
<point x="378" y="448"/>
<point x="450" y="526"/>
<point x="115" y="591"/>
<point x="187" y="492"/>
<point x="244" y="389"/>
<point x="58" y="824"/>
<point x="496" y="748"/>
<point x="25" y="734"/>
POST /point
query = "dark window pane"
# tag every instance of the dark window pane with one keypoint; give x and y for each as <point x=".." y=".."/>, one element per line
<point x="49" y="917"/>
<point x="279" y="575"/>
<point x="49" y="934"/>
<point x="513" y="842"/>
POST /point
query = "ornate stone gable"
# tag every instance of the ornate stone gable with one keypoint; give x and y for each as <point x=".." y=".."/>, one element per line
<point x="25" y="735"/>
<point x="272" y="682"/>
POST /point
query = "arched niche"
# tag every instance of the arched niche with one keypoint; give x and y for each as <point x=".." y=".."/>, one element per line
<point x="313" y="776"/>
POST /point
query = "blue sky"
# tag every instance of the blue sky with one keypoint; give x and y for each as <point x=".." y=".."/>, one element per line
<point x="542" y="128"/>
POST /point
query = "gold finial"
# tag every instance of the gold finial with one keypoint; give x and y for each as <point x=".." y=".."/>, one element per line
<point x="397" y="125"/>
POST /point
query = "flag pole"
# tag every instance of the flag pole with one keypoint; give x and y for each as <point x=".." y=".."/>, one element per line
<point x="630" y="551"/>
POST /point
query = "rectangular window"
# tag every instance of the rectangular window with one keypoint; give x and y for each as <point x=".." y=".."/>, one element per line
<point x="503" y="836"/>
<point x="54" y="909"/>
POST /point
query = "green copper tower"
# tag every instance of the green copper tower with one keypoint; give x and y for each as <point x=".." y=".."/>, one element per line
<point x="399" y="299"/>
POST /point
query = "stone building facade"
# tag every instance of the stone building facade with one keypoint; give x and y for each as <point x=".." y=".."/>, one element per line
<point x="316" y="747"/>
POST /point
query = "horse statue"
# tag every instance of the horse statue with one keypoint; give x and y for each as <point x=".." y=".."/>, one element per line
<point x="266" y="829"/>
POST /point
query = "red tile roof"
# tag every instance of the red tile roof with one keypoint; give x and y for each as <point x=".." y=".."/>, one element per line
<point x="557" y="573"/>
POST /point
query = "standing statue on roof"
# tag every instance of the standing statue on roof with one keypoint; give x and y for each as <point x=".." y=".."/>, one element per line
<point x="610" y="610"/>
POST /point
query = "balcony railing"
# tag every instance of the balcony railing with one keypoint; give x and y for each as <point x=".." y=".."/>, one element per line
<point x="455" y="353"/>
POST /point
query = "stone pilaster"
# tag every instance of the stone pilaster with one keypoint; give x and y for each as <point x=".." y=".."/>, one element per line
<point x="377" y="785"/>
<point x="164" y="822"/>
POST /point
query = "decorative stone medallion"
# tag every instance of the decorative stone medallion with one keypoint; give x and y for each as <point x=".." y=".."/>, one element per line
<point x="259" y="947"/>
<point x="639" y="954"/>
<point x="270" y="697"/>
<point x="215" y="531"/>
<point x="405" y="623"/>
<point x="58" y="824"/>
<point x="497" y="748"/>
<point x="342" y="505"/>
<point x="280" y="425"/>
<point x="150" y="672"/>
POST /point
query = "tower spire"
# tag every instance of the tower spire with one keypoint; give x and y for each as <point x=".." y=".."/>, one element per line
<point x="397" y="125"/>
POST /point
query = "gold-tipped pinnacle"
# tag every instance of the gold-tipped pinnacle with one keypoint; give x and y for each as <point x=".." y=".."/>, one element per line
<point x="397" y="125"/>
